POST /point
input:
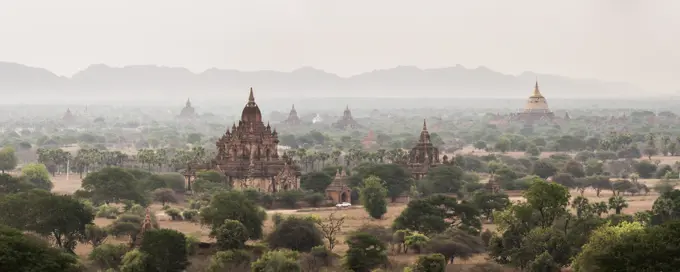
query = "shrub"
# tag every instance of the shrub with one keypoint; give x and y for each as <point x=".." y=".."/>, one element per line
<point x="190" y="215"/>
<point x="365" y="252"/>
<point x="164" y="195"/>
<point x="430" y="263"/>
<point x="231" y="235"/>
<point x="192" y="244"/>
<point x="282" y="260"/>
<point x="108" y="256"/>
<point x="290" y="198"/>
<point x="299" y="234"/>
<point x="174" y="214"/>
<point x="314" y="199"/>
<point x="230" y="260"/>
<point x="106" y="211"/>
<point x="166" y="249"/>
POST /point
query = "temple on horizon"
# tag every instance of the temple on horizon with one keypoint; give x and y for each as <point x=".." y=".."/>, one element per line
<point x="423" y="156"/>
<point x="248" y="156"/>
<point x="536" y="108"/>
<point x="188" y="111"/>
<point x="293" y="119"/>
<point x="347" y="121"/>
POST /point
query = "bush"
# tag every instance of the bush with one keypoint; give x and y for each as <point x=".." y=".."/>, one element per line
<point x="134" y="261"/>
<point x="290" y="198"/>
<point x="231" y="235"/>
<point x="166" y="250"/>
<point x="174" y="214"/>
<point x="282" y="260"/>
<point x="108" y="256"/>
<point x="106" y="211"/>
<point x="174" y="181"/>
<point x="192" y="244"/>
<point x="164" y="195"/>
<point x="190" y="215"/>
<point x="365" y="252"/>
<point x="314" y="199"/>
<point x="430" y="263"/>
<point x="231" y="260"/>
<point x="299" y="234"/>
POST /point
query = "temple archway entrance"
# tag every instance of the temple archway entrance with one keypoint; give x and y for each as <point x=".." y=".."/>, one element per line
<point x="344" y="197"/>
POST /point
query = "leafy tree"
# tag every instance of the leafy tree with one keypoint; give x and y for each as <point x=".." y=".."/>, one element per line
<point x="444" y="179"/>
<point x="600" y="183"/>
<point x="234" y="205"/>
<point x="373" y="196"/>
<point x="95" y="235"/>
<point x="645" y="169"/>
<point x="295" y="233"/>
<point x="437" y="213"/>
<point x="108" y="256"/>
<point x="290" y="198"/>
<point x="283" y="260"/>
<point x="455" y="243"/>
<point x="12" y="185"/>
<point x="481" y="145"/>
<point x="164" y="195"/>
<point x="415" y="241"/>
<point x="231" y="235"/>
<point x="549" y="199"/>
<point x="230" y="260"/>
<point x="543" y="168"/>
<point x="314" y="199"/>
<point x="8" y="159"/>
<point x="565" y="179"/>
<point x="396" y="179"/>
<point x="113" y="184"/>
<point x="365" y="252"/>
<point x="37" y="175"/>
<point x="315" y="181"/>
<point x="600" y="245"/>
<point x="59" y="217"/>
<point x="24" y="253"/>
<point x="667" y="206"/>
<point x="165" y="249"/>
<point x="430" y="263"/>
<point x="617" y="203"/>
<point x="487" y="202"/>
<point x="574" y="168"/>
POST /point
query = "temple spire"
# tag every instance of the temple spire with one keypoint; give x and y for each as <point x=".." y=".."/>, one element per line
<point x="536" y="90"/>
<point x="251" y="97"/>
<point x="424" y="124"/>
<point x="293" y="106"/>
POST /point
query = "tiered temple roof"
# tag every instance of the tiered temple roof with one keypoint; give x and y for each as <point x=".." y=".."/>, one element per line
<point x="248" y="155"/>
<point x="188" y="111"/>
<point x="347" y="121"/>
<point x="339" y="191"/>
<point x="423" y="156"/>
<point x="293" y="118"/>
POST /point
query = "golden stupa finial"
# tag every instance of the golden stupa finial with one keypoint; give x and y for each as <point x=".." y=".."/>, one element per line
<point x="537" y="92"/>
<point x="251" y="97"/>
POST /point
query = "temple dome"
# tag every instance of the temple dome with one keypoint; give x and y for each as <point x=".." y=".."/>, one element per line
<point x="251" y="112"/>
<point x="536" y="102"/>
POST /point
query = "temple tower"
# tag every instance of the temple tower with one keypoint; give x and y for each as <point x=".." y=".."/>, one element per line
<point x="347" y="121"/>
<point x="188" y="111"/>
<point x="423" y="156"/>
<point x="293" y="119"/>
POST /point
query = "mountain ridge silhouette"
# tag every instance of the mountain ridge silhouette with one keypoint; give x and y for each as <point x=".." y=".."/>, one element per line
<point x="401" y="81"/>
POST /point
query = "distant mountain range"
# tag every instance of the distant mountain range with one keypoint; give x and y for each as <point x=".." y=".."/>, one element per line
<point x="402" y="81"/>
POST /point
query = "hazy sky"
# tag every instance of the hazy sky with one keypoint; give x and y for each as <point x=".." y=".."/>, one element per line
<point x="624" y="40"/>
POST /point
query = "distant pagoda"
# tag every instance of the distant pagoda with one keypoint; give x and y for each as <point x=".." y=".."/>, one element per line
<point x="188" y="111"/>
<point x="338" y="190"/>
<point x="536" y="108"/>
<point x="346" y="121"/>
<point x="68" y="116"/>
<point x="423" y="156"/>
<point x="293" y="119"/>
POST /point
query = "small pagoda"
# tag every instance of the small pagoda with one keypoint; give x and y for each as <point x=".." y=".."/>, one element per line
<point x="68" y="116"/>
<point x="293" y="119"/>
<point x="146" y="226"/>
<point x="339" y="191"/>
<point x="423" y="156"/>
<point x="188" y="112"/>
<point x="347" y="121"/>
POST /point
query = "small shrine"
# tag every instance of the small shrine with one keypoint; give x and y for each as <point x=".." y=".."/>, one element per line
<point x="423" y="156"/>
<point x="188" y="111"/>
<point x="339" y="191"/>
<point x="293" y="119"/>
<point x="347" y="121"/>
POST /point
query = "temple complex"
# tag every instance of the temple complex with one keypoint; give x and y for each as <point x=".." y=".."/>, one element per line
<point x="346" y="121"/>
<point x="248" y="156"/>
<point x="423" y="156"/>
<point x="188" y="111"/>
<point x="339" y="191"/>
<point x="293" y="119"/>
<point x="536" y="108"/>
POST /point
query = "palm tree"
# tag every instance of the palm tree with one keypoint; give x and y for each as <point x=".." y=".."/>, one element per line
<point x="323" y="157"/>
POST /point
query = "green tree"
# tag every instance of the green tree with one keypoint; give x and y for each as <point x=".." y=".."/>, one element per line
<point x="12" y="185"/>
<point x="315" y="181"/>
<point x="373" y="196"/>
<point x="549" y="199"/>
<point x="395" y="178"/>
<point x="437" y="213"/>
<point x="487" y="202"/>
<point x="365" y="252"/>
<point x="295" y="233"/>
<point x="8" y="159"/>
<point x="164" y="195"/>
<point x="430" y="263"/>
<point x="230" y="260"/>
<point x="234" y="205"/>
<point x="24" y="253"/>
<point x="165" y="249"/>
<point x="231" y="235"/>
<point x="543" y="168"/>
<point x="59" y="217"/>
<point x="37" y="175"/>
<point x="574" y="168"/>
<point x="443" y="179"/>
<point x="113" y="184"/>
<point x="617" y="203"/>
<point x="283" y="260"/>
